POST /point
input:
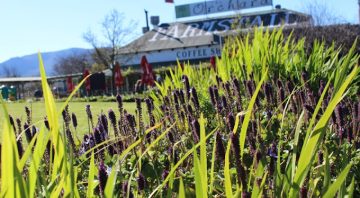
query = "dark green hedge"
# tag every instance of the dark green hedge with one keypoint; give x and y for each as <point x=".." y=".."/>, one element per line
<point x="343" y="35"/>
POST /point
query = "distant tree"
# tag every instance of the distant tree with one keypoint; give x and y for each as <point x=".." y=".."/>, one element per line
<point x="322" y="14"/>
<point x="9" y="71"/>
<point x="74" y="63"/>
<point x="114" y="35"/>
<point x="96" y="67"/>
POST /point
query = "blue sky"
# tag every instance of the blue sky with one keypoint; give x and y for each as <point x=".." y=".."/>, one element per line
<point x="42" y="25"/>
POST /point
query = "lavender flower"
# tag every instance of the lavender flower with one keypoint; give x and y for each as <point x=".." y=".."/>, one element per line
<point x="46" y="123"/>
<point x="149" y="104"/>
<point x="195" y="99"/>
<point x="131" y="120"/>
<point x="321" y="88"/>
<point x="170" y="136"/>
<point x="18" y="142"/>
<point x="310" y="96"/>
<point x="150" y="109"/>
<point x="303" y="192"/>
<point x="224" y="102"/>
<point x="66" y="116"/>
<point x="34" y="131"/>
<point x="103" y="132"/>
<point x="140" y="118"/>
<point x="185" y="80"/>
<point x="111" y="150"/>
<point x="89" y="114"/>
<point x="230" y="121"/>
<point x="70" y="139"/>
<point x="353" y="117"/>
<point x="119" y="102"/>
<point x="141" y="182"/>
<point x="249" y="87"/>
<point x="28" y="114"/>
<point x="245" y="194"/>
<point x="289" y="86"/>
<point x="309" y="108"/>
<point x="85" y="145"/>
<point x="218" y="80"/>
<point x="227" y="87"/>
<point x="112" y="118"/>
<point x="175" y="97"/>
<point x="97" y="135"/>
<point x="258" y="157"/>
<point x="102" y="176"/>
<point x="235" y="145"/>
<point x="28" y="133"/>
<point x="74" y="120"/>
<point x="304" y="76"/>
<point x="340" y="115"/>
<point x="12" y="123"/>
<point x="237" y="92"/>
<point x="236" y="85"/>
<point x="20" y="148"/>
<point x="125" y="189"/>
<point x="18" y="122"/>
<point x="268" y="92"/>
<point x="220" y="149"/>
<point x="138" y="103"/>
<point x="196" y="130"/>
<point x="190" y="110"/>
<point x="181" y="96"/>
<point x="104" y="122"/>
<point x="272" y="152"/>
<point x="320" y="157"/>
<point x="216" y="93"/>
<point x="164" y="174"/>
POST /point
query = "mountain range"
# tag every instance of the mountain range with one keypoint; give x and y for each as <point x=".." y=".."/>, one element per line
<point x="29" y="65"/>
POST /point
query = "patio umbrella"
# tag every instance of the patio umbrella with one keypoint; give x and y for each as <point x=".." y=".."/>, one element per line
<point x="119" y="79"/>
<point x="213" y="62"/>
<point x="148" y="75"/>
<point x="69" y="84"/>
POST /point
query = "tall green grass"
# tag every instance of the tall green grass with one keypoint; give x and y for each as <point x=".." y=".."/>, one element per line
<point x="258" y="59"/>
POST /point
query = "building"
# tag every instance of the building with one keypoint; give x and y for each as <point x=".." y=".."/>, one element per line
<point x="198" y="40"/>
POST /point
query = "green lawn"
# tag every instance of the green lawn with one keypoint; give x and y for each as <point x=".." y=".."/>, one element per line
<point x="17" y="110"/>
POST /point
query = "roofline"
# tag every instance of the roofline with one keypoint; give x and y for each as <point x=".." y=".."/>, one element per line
<point x="36" y="78"/>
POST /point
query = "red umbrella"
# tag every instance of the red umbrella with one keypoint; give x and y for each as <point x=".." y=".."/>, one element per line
<point x="70" y="85"/>
<point x="148" y="75"/>
<point x="119" y="79"/>
<point x="87" y="82"/>
<point x="213" y="62"/>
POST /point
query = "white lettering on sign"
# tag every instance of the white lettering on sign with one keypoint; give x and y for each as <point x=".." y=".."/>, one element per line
<point x="161" y="31"/>
<point x="190" y="31"/>
<point x="172" y="33"/>
<point x="216" y="26"/>
<point x="215" y="6"/>
<point x="192" y="53"/>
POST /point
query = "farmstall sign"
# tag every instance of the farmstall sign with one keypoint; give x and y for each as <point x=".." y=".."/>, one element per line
<point x="222" y="25"/>
<point x="216" y="6"/>
<point x="169" y="55"/>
